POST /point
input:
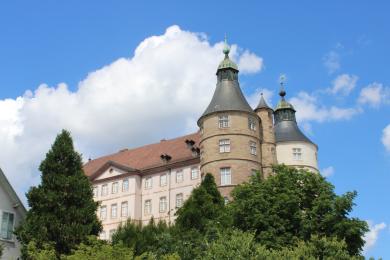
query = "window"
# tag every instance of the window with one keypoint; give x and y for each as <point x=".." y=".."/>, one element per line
<point x="124" y="209"/>
<point x="113" y="210"/>
<point x="251" y="123"/>
<point x="103" y="212"/>
<point x="104" y="189"/>
<point x="163" y="204"/>
<point x="179" y="176"/>
<point x="114" y="188"/>
<point x="148" y="207"/>
<point x="95" y="191"/>
<point x="125" y="185"/>
<point x="194" y="173"/>
<point x="297" y="154"/>
<point x="226" y="200"/>
<point x="226" y="177"/>
<point x="252" y="146"/>
<point x="224" y="146"/>
<point x="102" y="235"/>
<point x="223" y="121"/>
<point x="112" y="231"/>
<point x="7" y="226"/>
<point x="163" y="180"/>
<point x="148" y="183"/>
<point x="179" y="200"/>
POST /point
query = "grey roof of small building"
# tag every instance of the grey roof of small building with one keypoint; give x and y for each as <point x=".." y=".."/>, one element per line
<point x="288" y="131"/>
<point x="262" y="103"/>
<point x="227" y="97"/>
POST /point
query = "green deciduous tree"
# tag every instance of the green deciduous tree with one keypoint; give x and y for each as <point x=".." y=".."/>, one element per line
<point x="62" y="210"/>
<point x="294" y="205"/>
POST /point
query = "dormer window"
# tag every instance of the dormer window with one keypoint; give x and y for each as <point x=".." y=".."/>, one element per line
<point x="223" y="121"/>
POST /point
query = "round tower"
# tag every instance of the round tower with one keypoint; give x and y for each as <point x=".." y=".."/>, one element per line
<point x="230" y="139"/>
<point x="267" y="136"/>
<point x="293" y="148"/>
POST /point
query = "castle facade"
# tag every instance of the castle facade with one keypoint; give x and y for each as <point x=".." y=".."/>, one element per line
<point x="234" y="141"/>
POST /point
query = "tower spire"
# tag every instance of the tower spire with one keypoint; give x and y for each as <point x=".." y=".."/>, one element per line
<point x="282" y="91"/>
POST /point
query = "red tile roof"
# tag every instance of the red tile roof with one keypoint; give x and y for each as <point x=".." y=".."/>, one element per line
<point x="148" y="156"/>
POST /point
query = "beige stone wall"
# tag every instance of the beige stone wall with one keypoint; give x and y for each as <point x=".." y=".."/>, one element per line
<point x="268" y="148"/>
<point x="239" y="159"/>
<point x="284" y="152"/>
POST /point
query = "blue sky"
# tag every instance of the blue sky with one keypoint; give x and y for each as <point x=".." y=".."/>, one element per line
<point x="333" y="53"/>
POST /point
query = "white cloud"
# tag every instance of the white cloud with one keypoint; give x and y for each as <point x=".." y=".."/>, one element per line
<point x="254" y="98"/>
<point x="332" y="61"/>
<point x="372" y="235"/>
<point x="158" y="93"/>
<point x="250" y="63"/>
<point x="386" y="137"/>
<point x="309" y="109"/>
<point x="375" y="94"/>
<point x="328" y="171"/>
<point x="343" y="84"/>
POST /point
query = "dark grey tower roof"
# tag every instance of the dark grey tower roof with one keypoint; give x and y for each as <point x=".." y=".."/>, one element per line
<point x="286" y="127"/>
<point x="262" y="103"/>
<point x="228" y="95"/>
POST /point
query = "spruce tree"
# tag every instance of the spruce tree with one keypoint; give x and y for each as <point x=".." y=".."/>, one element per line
<point x="62" y="210"/>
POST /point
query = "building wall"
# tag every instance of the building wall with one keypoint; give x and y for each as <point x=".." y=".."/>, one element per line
<point x="139" y="192"/>
<point x="11" y="247"/>
<point x="284" y="154"/>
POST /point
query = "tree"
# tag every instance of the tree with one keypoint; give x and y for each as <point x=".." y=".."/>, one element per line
<point x="205" y="205"/>
<point x="294" y="205"/>
<point x="62" y="210"/>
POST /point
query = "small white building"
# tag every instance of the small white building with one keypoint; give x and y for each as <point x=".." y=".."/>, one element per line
<point x="12" y="211"/>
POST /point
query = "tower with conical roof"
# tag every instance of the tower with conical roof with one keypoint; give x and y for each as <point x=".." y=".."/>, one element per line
<point x="293" y="148"/>
<point x="267" y="136"/>
<point x="230" y="137"/>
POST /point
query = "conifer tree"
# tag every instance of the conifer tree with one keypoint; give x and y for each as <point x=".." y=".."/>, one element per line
<point x="62" y="210"/>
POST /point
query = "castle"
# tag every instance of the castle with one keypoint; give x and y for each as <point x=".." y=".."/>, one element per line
<point x="234" y="142"/>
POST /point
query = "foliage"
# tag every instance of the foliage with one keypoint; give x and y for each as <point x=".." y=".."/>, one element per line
<point x="62" y="211"/>
<point x="205" y="207"/>
<point x="293" y="206"/>
<point x="45" y="252"/>
<point x="100" y="250"/>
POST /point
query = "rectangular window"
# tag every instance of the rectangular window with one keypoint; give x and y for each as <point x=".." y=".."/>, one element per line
<point x="104" y="190"/>
<point x="103" y="212"/>
<point x="148" y="207"/>
<point x="102" y="235"/>
<point x="297" y="154"/>
<point x="194" y="173"/>
<point x="124" y="209"/>
<point x="163" y="204"/>
<point x="179" y="200"/>
<point x="95" y="191"/>
<point x="7" y="226"/>
<point x="113" y="210"/>
<point x="226" y="177"/>
<point x="223" y="121"/>
<point x="224" y="146"/>
<point x="252" y="146"/>
<point x="251" y="123"/>
<point x="114" y="188"/>
<point x="125" y="185"/>
<point x="179" y="176"/>
<point x="148" y="183"/>
<point x="112" y="231"/>
<point x="163" y="180"/>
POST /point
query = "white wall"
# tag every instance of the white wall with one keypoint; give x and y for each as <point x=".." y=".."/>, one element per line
<point x="309" y="161"/>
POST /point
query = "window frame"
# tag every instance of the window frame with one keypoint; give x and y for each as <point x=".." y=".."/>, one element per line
<point x="253" y="147"/>
<point x="105" y="212"/>
<point x="148" y="180"/>
<point x="224" y="145"/>
<point x="7" y="230"/>
<point x="196" y="170"/>
<point x="225" y="174"/>
<point x="297" y="153"/>
<point x="116" y="185"/>
<point x="163" y="176"/>
<point x="223" y="121"/>
<point x="127" y="185"/>
<point x="163" y="204"/>
<point x="181" y="196"/>
<point x="149" y="202"/>
<point x="114" y="206"/>
<point x="127" y="208"/>
<point x="251" y="123"/>
<point x="104" y="191"/>
<point x="179" y="173"/>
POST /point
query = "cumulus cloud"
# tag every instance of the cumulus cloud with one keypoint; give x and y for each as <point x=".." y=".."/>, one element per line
<point x="332" y="61"/>
<point x="375" y="94"/>
<point x="372" y="235"/>
<point x="250" y="63"/>
<point x="386" y="137"/>
<point x="343" y="84"/>
<point x="309" y="109"/>
<point x="327" y="172"/>
<point x="157" y="93"/>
